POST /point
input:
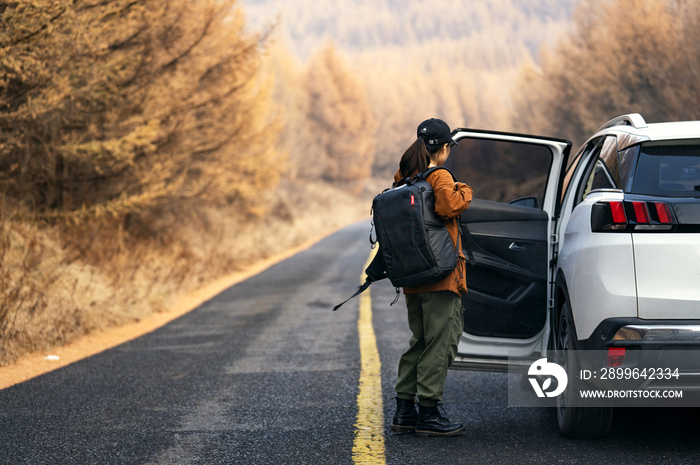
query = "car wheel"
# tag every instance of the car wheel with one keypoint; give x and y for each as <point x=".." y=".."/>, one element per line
<point x="575" y="420"/>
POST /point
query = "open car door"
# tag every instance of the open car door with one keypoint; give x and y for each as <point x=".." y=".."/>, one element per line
<point x="510" y="228"/>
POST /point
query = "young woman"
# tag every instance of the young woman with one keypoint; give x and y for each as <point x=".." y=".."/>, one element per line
<point x="435" y="313"/>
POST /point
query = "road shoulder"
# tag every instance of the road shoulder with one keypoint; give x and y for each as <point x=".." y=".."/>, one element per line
<point x="38" y="363"/>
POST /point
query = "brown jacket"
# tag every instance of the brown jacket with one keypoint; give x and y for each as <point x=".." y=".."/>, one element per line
<point x="451" y="199"/>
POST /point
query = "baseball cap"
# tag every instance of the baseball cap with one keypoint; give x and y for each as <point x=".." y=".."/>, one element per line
<point x="435" y="132"/>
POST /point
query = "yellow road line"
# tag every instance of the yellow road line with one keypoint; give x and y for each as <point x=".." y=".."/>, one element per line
<point x="368" y="447"/>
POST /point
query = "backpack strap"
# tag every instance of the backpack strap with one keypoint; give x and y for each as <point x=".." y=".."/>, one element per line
<point x="468" y="244"/>
<point x="376" y="271"/>
<point x="462" y="230"/>
<point x="411" y="179"/>
<point x="427" y="172"/>
<point x="359" y="291"/>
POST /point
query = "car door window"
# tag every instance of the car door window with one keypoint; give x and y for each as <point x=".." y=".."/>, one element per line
<point x="502" y="171"/>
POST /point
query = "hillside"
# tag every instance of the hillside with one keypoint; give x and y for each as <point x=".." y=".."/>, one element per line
<point x="453" y="60"/>
<point x="493" y="33"/>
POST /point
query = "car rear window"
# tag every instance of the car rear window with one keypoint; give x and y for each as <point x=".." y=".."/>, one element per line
<point x="668" y="171"/>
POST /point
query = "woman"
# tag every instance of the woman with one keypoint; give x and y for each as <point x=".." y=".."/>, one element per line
<point x="435" y="313"/>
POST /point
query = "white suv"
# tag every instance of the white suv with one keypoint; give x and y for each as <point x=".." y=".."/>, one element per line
<point x="597" y="250"/>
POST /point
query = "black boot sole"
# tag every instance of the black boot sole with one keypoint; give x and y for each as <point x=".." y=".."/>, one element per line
<point x="402" y="429"/>
<point x="427" y="433"/>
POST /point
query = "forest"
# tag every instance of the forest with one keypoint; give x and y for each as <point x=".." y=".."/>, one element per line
<point x="148" y="148"/>
<point x="458" y="65"/>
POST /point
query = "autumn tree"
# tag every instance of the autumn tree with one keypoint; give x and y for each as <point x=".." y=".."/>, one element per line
<point x="625" y="56"/>
<point x="340" y="131"/>
<point x="114" y="107"/>
<point x="402" y="98"/>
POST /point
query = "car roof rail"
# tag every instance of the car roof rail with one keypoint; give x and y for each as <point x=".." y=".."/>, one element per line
<point x="632" y="119"/>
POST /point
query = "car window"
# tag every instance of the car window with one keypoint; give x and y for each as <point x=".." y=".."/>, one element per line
<point x="502" y="171"/>
<point x="668" y="170"/>
<point x="607" y="169"/>
<point x="594" y="167"/>
<point x="628" y="164"/>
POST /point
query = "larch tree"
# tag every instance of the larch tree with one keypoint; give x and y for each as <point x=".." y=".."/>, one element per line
<point x="114" y="107"/>
<point x="340" y="131"/>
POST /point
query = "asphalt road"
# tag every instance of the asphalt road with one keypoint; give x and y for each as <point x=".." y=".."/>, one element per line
<point x="265" y="373"/>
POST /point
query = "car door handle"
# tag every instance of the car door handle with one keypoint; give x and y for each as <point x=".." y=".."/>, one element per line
<point x="518" y="248"/>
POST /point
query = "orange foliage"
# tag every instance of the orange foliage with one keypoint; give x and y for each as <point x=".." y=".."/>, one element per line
<point x="114" y="108"/>
<point x="625" y="56"/>
<point x="340" y="124"/>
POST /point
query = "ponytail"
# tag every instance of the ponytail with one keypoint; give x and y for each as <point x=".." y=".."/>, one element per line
<point x="416" y="158"/>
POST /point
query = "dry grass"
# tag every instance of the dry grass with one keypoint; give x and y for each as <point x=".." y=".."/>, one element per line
<point x="59" y="284"/>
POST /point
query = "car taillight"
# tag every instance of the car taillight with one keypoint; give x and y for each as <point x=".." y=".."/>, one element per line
<point x="631" y="216"/>
<point x="663" y="212"/>
<point x="616" y="356"/>
<point x="641" y="213"/>
<point x="618" y="213"/>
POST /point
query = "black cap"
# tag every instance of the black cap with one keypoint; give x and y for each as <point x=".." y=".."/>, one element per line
<point x="436" y="132"/>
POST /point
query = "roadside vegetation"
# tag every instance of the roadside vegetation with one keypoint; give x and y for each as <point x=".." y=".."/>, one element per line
<point x="140" y="157"/>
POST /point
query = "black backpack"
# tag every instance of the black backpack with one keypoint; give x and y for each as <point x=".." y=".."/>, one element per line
<point x="415" y="248"/>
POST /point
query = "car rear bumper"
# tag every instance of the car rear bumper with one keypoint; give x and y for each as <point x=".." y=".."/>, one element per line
<point x="644" y="334"/>
<point x="649" y="344"/>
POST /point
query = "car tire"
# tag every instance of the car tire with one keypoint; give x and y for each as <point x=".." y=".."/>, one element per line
<point x="576" y="421"/>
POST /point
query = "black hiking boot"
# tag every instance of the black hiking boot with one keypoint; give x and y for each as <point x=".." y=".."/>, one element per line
<point x="432" y="423"/>
<point x="405" y="417"/>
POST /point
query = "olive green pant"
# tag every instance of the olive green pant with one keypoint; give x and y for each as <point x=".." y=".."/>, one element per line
<point x="436" y="320"/>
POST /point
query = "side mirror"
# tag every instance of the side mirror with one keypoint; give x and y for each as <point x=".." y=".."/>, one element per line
<point x="531" y="202"/>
